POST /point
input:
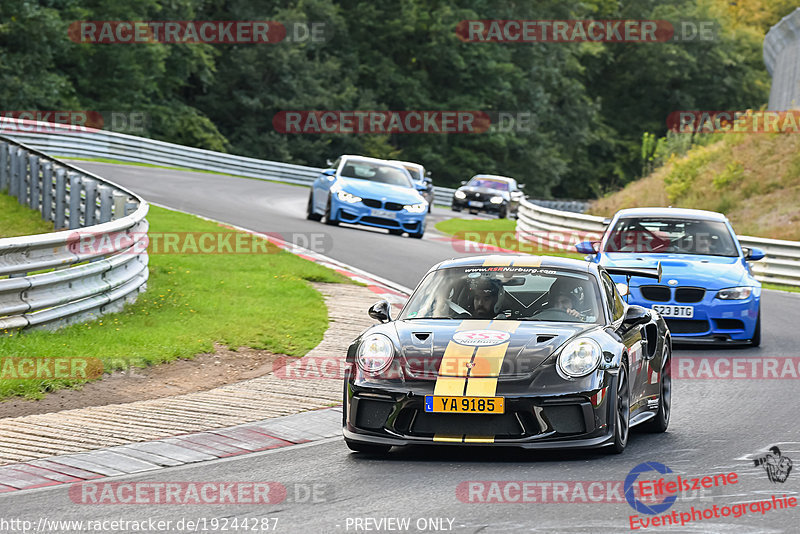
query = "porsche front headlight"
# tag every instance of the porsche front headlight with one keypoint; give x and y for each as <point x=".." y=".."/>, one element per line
<point x="735" y="293"/>
<point x="375" y="353"/>
<point x="580" y="357"/>
<point x="460" y="194"/>
<point x="496" y="200"/>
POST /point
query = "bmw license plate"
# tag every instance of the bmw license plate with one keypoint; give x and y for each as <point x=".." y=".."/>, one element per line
<point x="384" y="214"/>
<point x="488" y="405"/>
<point x="687" y="312"/>
<point x="475" y="204"/>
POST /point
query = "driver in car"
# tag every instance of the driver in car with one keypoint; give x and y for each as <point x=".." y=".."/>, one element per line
<point x="485" y="296"/>
<point x="562" y="299"/>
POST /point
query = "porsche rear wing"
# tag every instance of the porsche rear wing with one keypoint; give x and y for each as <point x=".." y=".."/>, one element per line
<point x="645" y="272"/>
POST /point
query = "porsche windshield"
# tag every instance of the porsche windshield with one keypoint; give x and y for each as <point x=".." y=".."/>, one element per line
<point x="375" y="172"/>
<point x="512" y="293"/>
<point x="671" y="236"/>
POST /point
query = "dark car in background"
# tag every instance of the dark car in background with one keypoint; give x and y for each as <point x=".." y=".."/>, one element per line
<point x="422" y="180"/>
<point x="489" y="193"/>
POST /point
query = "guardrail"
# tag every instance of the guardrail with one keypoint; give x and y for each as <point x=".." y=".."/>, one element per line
<point x="70" y="141"/>
<point x="96" y="262"/>
<point x="561" y="230"/>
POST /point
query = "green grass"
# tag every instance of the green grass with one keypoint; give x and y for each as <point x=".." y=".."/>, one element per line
<point x="497" y="232"/>
<point x="192" y="301"/>
<point x="780" y="287"/>
<point x="17" y="220"/>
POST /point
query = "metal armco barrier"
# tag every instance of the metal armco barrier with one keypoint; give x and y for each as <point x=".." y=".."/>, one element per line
<point x="782" y="58"/>
<point x="96" y="262"/>
<point x="561" y="230"/>
<point x="66" y="141"/>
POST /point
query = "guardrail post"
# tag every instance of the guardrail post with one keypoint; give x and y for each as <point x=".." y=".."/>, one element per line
<point x="3" y="166"/>
<point x="106" y="200"/>
<point x="47" y="191"/>
<point x="120" y="203"/>
<point x="34" y="181"/>
<point x="90" y="202"/>
<point x="20" y="186"/>
<point x="61" y="198"/>
<point x="13" y="186"/>
<point x="74" y="201"/>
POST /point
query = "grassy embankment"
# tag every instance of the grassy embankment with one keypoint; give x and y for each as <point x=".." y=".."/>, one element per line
<point x="259" y="300"/>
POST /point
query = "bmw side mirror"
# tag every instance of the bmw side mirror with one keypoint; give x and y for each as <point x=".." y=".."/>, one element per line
<point x="329" y="172"/>
<point x="381" y="311"/>
<point x="753" y="254"/>
<point x="635" y="315"/>
<point x="421" y="187"/>
<point x="427" y="173"/>
<point x="586" y="247"/>
<point x="329" y="163"/>
<point x="463" y="182"/>
<point x="521" y="186"/>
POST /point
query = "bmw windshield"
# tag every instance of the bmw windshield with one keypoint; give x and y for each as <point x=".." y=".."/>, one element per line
<point x="376" y="172"/>
<point x="671" y="236"/>
<point x="500" y="293"/>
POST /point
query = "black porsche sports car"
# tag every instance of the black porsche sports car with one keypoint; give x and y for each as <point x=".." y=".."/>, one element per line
<point x="523" y="351"/>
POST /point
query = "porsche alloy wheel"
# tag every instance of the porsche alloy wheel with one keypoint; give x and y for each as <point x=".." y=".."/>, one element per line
<point x="660" y="422"/>
<point x="623" y="412"/>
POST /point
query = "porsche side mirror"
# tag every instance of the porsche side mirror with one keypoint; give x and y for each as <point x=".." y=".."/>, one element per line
<point x="753" y="254"/>
<point x="586" y="247"/>
<point x="427" y="173"/>
<point x="635" y="315"/>
<point x="623" y="288"/>
<point x="521" y="186"/>
<point x="329" y="163"/>
<point x="381" y="311"/>
<point x="463" y="182"/>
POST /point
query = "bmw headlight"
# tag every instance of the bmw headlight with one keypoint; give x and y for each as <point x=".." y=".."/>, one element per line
<point x="735" y="293"/>
<point x="375" y="353"/>
<point x="416" y="208"/>
<point x="496" y="200"/>
<point x="460" y="194"/>
<point x="580" y="357"/>
<point x="344" y="196"/>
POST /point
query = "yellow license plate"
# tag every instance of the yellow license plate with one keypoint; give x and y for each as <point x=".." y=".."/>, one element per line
<point x="440" y="404"/>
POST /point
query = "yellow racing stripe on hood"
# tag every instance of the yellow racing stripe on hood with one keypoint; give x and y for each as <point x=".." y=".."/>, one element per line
<point x="448" y="439"/>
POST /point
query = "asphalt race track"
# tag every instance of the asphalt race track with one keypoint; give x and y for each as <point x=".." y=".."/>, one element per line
<point x="717" y="425"/>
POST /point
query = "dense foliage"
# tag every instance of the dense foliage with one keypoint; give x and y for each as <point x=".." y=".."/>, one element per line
<point x="590" y="102"/>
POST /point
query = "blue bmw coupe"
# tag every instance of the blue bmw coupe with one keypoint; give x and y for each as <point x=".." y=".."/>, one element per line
<point x="710" y="294"/>
<point x="368" y="191"/>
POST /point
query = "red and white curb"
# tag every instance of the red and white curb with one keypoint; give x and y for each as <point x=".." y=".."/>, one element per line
<point x="174" y="451"/>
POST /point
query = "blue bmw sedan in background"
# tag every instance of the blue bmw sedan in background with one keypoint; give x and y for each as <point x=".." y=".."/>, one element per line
<point x="368" y="191"/>
<point x="710" y="294"/>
